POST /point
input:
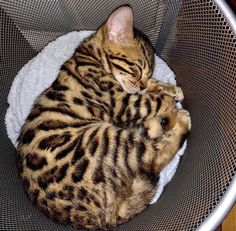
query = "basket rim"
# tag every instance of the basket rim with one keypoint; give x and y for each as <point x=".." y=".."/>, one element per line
<point x="221" y="210"/>
<point x="228" y="13"/>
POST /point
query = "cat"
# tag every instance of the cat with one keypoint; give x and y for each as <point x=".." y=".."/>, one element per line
<point x="92" y="148"/>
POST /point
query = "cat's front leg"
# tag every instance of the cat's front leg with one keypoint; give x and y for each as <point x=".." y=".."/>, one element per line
<point x="133" y="110"/>
<point x="157" y="86"/>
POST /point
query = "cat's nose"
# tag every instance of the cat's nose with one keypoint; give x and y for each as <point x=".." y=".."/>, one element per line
<point x="143" y="85"/>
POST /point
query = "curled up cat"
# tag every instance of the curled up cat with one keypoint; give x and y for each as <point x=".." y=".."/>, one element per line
<point x="92" y="148"/>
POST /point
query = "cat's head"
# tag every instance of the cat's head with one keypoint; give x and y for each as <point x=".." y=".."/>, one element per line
<point x="130" y="55"/>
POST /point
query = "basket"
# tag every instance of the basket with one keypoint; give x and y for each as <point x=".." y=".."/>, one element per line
<point x="198" y="41"/>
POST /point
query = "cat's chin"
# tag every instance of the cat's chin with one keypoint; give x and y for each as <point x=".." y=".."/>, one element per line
<point x="126" y="86"/>
<point x="131" y="90"/>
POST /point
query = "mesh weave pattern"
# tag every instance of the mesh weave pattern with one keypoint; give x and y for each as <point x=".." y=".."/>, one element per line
<point x="196" y="41"/>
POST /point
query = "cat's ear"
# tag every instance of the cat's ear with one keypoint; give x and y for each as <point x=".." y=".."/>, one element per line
<point x="120" y="25"/>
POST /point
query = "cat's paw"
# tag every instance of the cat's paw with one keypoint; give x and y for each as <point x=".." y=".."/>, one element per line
<point x="179" y="95"/>
<point x="183" y="119"/>
<point x="152" y="86"/>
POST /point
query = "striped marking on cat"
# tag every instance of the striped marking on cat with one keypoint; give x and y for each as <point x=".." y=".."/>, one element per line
<point x="118" y="66"/>
<point x="98" y="175"/>
<point x="79" y="150"/>
<point x="78" y="101"/>
<point x="148" y="106"/>
<point x="47" y="178"/>
<point x="57" y="86"/>
<point x="88" y="52"/>
<point x="137" y="105"/>
<point x="63" y="105"/>
<point x="27" y="137"/>
<point x="67" y="193"/>
<point x="126" y="152"/>
<point x="140" y="151"/>
<point x="58" y="124"/>
<point x="123" y="59"/>
<point x="158" y="104"/>
<point x="82" y="193"/>
<point x="125" y="103"/>
<point x="35" y="162"/>
<point x="128" y="116"/>
<point x="116" y="145"/>
<point x="96" y="105"/>
<point x="54" y="141"/>
<point x="93" y="142"/>
<point x="87" y="63"/>
<point x="38" y="111"/>
<point x="51" y="195"/>
<point x="80" y="80"/>
<point x="80" y="170"/>
<point x="67" y="150"/>
<point x="105" y="144"/>
<point x="61" y="173"/>
<point x="54" y="95"/>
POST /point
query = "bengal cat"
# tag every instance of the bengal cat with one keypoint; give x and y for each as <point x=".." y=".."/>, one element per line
<point x="91" y="150"/>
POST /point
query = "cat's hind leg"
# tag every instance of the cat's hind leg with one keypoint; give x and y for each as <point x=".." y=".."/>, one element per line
<point x="153" y="127"/>
<point x="172" y="140"/>
<point x="142" y="191"/>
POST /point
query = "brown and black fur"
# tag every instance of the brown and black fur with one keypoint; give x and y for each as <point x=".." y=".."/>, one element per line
<point x="90" y="153"/>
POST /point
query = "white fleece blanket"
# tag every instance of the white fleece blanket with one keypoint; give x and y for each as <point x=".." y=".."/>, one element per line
<point x="39" y="73"/>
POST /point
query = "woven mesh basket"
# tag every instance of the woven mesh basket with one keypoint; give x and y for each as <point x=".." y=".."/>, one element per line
<point x="197" y="39"/>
